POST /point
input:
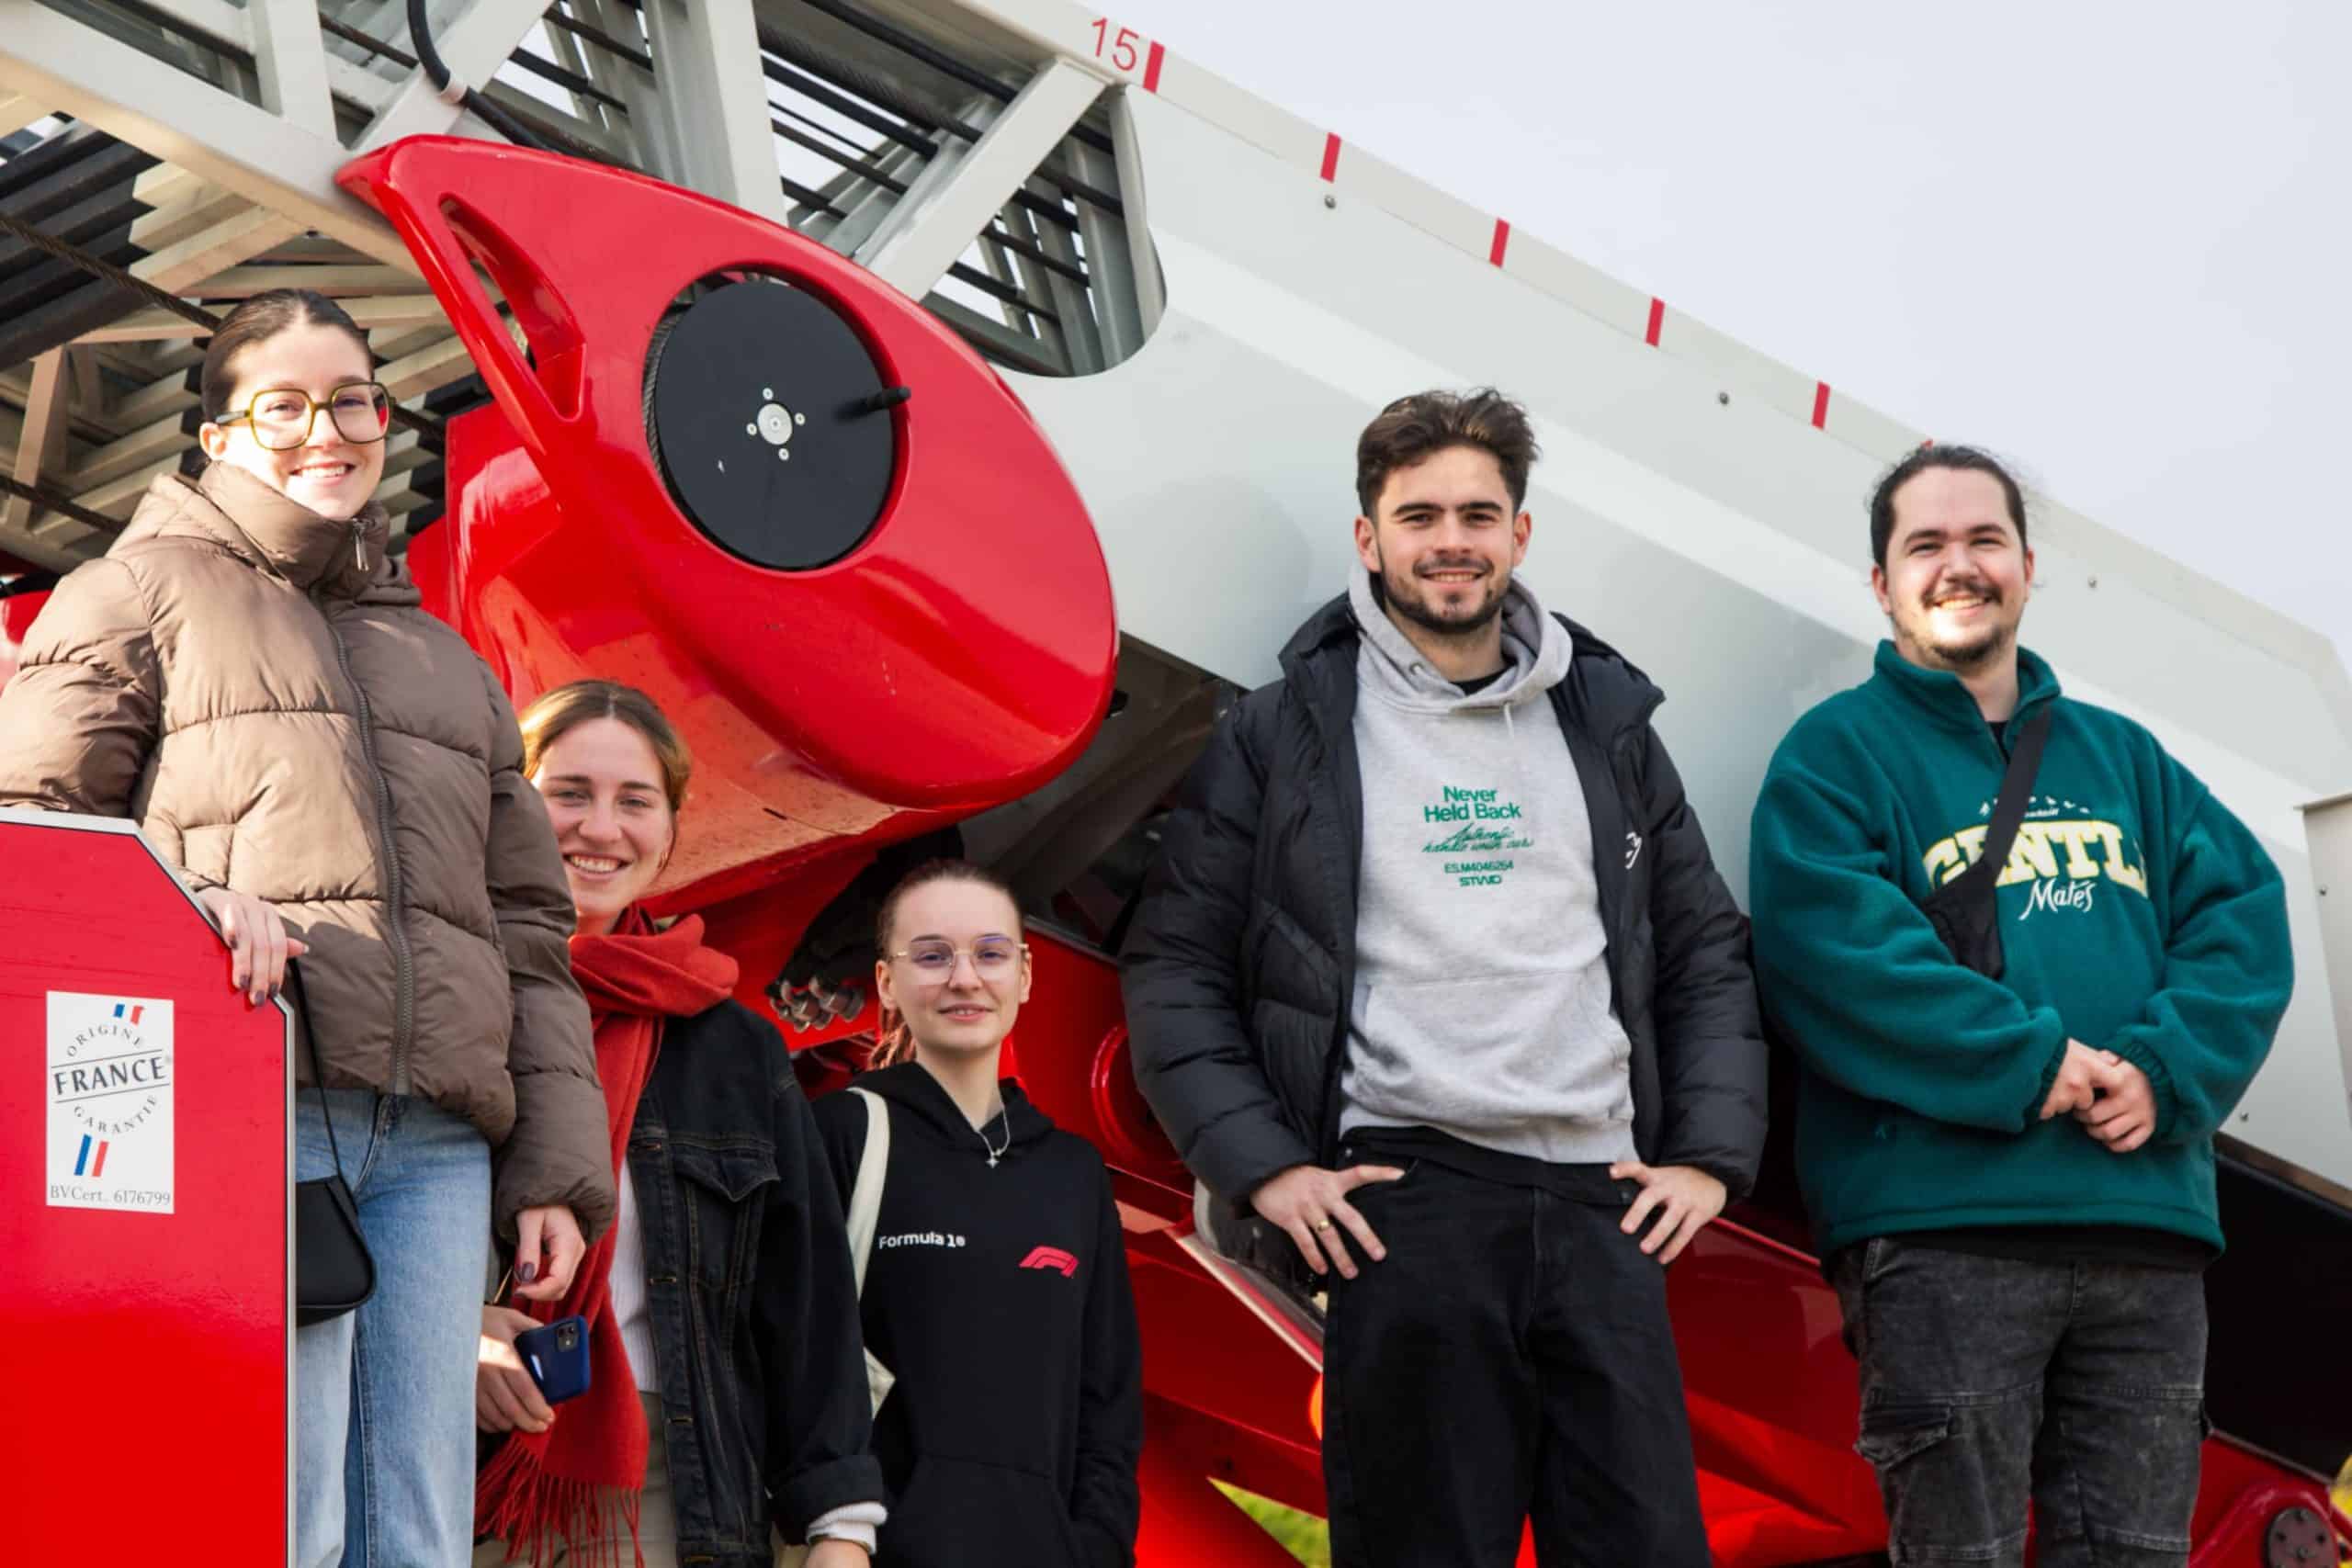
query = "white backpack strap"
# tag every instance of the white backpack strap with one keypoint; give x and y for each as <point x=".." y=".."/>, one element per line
<point x="873" y="1167"/>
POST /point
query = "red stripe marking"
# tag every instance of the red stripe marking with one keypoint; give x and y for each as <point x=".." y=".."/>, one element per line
<point x="1330" y="155"/>
<point x="1151" y="68"/>
<point x="1821" y="405"/>
<point x="1657" y="319"/>
<point x="1502" y="241"/>
<point x="100" y="1168"/>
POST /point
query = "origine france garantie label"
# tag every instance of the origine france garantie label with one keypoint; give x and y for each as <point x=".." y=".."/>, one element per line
<point x="108" y="1072"/>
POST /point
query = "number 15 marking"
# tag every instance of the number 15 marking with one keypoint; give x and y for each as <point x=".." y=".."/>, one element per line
<point x="1122" y="49"/>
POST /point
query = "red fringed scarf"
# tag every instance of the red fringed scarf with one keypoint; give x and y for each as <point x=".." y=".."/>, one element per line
<point x="577" y="1483"/>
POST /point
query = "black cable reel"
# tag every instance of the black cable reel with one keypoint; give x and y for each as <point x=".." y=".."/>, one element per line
<point x="770" y="422"/>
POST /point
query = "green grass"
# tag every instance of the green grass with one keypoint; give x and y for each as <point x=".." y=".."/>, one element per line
<point x="1303" y="1536"/>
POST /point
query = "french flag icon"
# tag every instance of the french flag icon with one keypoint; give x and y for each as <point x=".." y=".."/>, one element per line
<point x="124" y="1009"/>
<point x="83" y="1164"/>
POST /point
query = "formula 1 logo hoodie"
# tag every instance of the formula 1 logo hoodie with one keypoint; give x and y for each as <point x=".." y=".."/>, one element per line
<point x="999" y="1295"/>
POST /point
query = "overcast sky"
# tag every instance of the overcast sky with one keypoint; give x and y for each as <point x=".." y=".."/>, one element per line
<point x="2111" y="241"/>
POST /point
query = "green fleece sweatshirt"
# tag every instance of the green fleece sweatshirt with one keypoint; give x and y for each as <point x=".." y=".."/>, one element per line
<point x="2137" y="916"/>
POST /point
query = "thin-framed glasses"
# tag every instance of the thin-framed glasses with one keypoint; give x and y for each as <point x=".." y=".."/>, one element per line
<point x="283" y="417"/>
<point x="993" y="957"/>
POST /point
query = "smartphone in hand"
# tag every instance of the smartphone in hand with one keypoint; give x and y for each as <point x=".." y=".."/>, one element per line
<point x="557" y="1356"/>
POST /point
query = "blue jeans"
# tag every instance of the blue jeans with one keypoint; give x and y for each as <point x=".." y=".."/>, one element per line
<point x="1987" y="1380"/>
<point x="384" y="1412"/>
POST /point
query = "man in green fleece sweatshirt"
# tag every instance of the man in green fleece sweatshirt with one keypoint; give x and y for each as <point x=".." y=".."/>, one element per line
<point x="2011" y="1180"/>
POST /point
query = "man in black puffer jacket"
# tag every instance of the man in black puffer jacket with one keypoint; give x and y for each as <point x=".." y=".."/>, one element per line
<point x="1404" y="985"/>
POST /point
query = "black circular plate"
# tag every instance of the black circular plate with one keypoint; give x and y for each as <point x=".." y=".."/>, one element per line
<point x="2298" y="1538"/>
<point x="755" y="409"/>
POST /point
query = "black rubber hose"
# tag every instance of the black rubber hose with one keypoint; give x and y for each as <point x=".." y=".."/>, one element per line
<point x="436" y="71"/>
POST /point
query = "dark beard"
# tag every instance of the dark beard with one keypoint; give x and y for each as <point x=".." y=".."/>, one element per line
<point x="1417" y="610"/>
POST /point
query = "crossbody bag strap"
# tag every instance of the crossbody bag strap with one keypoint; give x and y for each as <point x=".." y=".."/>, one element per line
<point x="873" y="1167"/>
<point x="302" y="1006"/>
<point x="2008" y="811"/>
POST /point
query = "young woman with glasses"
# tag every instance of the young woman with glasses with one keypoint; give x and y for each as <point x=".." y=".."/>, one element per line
<point x="727" y="1388"/>
<point x="997" y="1289"/>
<point x="248" y="671"/>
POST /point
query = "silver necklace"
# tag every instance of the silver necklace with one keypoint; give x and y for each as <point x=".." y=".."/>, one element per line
<point x="995" y="1153"/>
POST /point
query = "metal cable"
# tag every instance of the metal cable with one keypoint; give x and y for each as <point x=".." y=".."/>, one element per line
<point x="41" y="496"/>
<point x="350" y="34"/>
<point x="603" y="39"/>
<point x="939" y="59"/>
<point x="795" y="51"/>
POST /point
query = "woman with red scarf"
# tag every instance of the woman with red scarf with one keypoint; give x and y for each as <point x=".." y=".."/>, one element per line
<point x="728" y="1386"/>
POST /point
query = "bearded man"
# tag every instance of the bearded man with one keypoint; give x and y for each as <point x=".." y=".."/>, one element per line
<point x="2006" y="1143"/>
<point x="1437" y="991"/>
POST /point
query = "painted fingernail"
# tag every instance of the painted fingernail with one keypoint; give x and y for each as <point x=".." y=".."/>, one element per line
<point x="528" y="1273"/>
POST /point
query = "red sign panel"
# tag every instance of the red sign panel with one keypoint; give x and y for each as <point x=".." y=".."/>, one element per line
<point x="144" y="1180"/>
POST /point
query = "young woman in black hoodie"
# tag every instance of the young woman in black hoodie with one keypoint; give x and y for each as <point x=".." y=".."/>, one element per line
<point x="997" y="1289"/>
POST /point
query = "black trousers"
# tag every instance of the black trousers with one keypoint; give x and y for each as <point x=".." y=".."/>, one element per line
<point x="1510" y="1359"/>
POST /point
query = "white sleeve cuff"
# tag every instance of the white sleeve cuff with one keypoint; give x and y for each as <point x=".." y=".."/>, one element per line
<point x="852" y="1522"/>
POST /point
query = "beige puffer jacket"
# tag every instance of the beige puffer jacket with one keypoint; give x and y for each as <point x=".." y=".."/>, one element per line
<point x="259" y="686"/>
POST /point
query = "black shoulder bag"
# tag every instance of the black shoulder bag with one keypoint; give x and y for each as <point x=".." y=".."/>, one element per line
<point x="334" y="1270"/>
<point x="1963" y="910"/>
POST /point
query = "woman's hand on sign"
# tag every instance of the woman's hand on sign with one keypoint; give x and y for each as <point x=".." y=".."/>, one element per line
<point x="259" y="945"/>
<point x="548" y="1248"/>
<point x="505" y="1397"/>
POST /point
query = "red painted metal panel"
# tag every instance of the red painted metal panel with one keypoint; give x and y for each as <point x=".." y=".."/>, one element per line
<point x="144" y="1354"/>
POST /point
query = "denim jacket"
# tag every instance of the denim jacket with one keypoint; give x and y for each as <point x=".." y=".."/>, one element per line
<point x="752" y="1300"/>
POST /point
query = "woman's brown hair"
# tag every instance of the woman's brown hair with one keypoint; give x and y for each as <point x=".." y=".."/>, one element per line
<point x="258" y="320"/>
<point x="894" y="1042"/>
<point x="566" y="708"/>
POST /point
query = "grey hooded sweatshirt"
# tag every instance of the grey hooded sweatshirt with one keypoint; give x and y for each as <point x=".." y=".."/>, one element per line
<point x="1481" y="1004"/>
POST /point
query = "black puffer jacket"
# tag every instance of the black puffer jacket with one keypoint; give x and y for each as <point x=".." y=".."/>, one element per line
<point x="1241" y="962"/>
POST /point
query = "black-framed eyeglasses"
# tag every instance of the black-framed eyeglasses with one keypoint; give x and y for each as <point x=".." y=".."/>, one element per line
<point x="284" y="417"/>
<point x="993" y="957"/>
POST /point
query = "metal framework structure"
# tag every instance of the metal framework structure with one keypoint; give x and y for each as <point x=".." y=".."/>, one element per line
<point x="192" y="144"/>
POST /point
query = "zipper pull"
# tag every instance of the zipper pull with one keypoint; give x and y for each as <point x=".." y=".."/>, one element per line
<point x="359" y="543"/>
